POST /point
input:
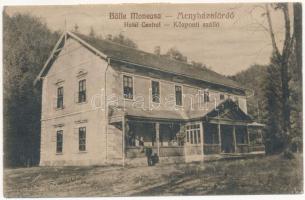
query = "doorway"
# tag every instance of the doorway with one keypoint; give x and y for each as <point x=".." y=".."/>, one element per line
<point x="227" y="141"/>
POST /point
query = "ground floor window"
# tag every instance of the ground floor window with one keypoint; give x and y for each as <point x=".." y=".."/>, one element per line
<point x="140" y="134"/>
<point x="170" y="134"/>
<point x="59" y="141"/>
<point x="193" y="134"/>
<point x="144" y="134"/>
<point x="82" y="139"/>
<point x="255" y="136"/>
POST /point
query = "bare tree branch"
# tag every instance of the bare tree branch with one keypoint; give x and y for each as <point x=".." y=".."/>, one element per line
<point x="275" y="48"/>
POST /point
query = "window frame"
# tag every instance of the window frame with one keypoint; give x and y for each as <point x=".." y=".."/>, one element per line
<point x="176" y="86"/>
<point x="123" y="87"/>
<point x="159" y="91"/>
<point x="60" y="98"/>
<point x="193" y="133"/>
<point x="206" y="96"/>
<point x="59" y="143"/>
<point x="82" y="91"/>
<point x="82" y="141"/>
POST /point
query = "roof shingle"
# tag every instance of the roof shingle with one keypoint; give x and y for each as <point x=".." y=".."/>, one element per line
<point x="162" y="63"/>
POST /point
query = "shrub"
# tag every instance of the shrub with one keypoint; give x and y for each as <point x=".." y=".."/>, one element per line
<point x="287" y="154"/>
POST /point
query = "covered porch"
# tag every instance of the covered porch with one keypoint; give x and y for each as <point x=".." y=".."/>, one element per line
<point x="164" y="138"/>
<point x="226" y="130"/>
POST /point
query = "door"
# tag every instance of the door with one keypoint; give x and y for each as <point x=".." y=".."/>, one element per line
<point x="193" y="147"/>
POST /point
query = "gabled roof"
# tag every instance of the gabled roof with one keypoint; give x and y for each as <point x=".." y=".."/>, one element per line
<point x="107" y="49"/>
<point x="229" y="110"/>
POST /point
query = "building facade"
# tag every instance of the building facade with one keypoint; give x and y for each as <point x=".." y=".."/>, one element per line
<point x="105" y="103"/>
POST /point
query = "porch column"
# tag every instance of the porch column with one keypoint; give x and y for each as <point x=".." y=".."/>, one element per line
<point x="123" y="140"/>
<point x="219" y="136"/>
<point x="201" y="138"/>
<point x="157" y="126"/>
<point x="248" y="135"/>
<point x="234" y="138"/>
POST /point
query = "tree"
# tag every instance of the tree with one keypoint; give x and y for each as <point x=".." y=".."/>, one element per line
<point x="297" y="27"/>
<point x="121" y="39"/>
<point x="175" y="54"/>
<point x="27" y="43"/>
<point x="295" y="84"/>
<point x="199" y="64"/>
<point x="272" y="116"/>
<point x="281" y="58"/>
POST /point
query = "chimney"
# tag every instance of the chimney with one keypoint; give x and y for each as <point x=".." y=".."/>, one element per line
<point x="157" y="50"/>
<point x="109" y="37"/>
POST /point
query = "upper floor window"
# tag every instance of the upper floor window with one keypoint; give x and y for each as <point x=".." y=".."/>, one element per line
<point x="60" y="97"/>
<point x="178" y="93"/>
<point x="222" y="96"/>
<point x="82" y="91"/>
<point x="155" y="90"/>
<point x="82" y="139"/>
<point x="127" y="87"/>
<point x="206" y="96"/>
<point x="59" y="141"/>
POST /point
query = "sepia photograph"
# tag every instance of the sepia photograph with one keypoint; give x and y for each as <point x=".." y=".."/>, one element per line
<point x="152" y="99"/>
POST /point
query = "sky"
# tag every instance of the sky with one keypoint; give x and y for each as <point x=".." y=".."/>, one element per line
<point x="235" y="45"/>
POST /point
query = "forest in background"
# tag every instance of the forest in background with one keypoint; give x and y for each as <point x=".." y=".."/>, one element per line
<point x="28" y="42"/>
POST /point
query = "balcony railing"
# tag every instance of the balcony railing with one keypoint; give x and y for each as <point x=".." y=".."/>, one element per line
<point x="211" y="149"/>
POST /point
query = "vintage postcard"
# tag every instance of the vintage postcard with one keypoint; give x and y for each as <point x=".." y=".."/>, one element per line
<point x="157" y="99"/>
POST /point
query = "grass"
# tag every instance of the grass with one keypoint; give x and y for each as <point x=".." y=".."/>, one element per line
<point x="264" y="175"/>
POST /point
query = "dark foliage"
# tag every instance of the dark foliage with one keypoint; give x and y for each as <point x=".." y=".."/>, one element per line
<point x="123" y="40"/>
<point x="271" y="87"/>
<point x="27" y="43"/>
<point x="252" y="79"/>
<point x="176" y="55"/>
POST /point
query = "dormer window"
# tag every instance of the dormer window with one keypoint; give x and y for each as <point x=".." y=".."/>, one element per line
<point x="127" y="87"/>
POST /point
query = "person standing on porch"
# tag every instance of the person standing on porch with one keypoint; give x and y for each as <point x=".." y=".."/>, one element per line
<point x="137" y="141"/>
<point x="141" y="143"/>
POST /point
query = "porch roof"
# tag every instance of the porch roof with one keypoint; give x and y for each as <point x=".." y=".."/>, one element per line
<point x="256" y="124"/>
<point x="116" y="114"/>
<point x="226" y="110"/>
